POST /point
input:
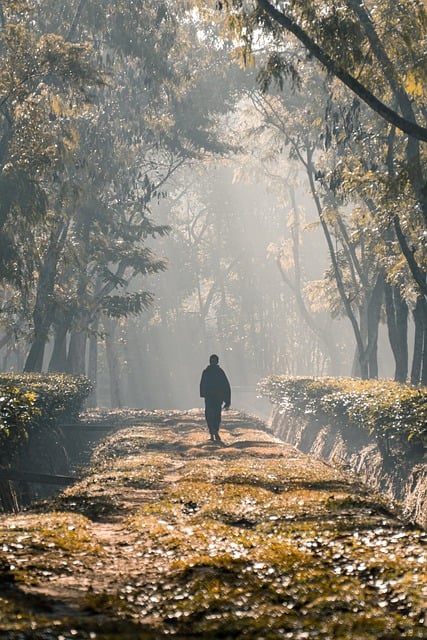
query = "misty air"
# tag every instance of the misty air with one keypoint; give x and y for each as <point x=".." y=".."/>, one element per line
<point x="213" y="319"/>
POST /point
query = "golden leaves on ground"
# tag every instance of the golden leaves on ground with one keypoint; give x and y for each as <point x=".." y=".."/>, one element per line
<point x="171" y="535"/>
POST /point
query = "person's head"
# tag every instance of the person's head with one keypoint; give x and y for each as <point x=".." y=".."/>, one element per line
<point x="213" y="359"/>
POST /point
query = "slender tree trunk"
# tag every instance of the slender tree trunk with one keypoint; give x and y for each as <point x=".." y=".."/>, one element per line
<point x="417" y="272"/>
<point x="93" y="363"/>
<point x="44" y="305"/>
<point x="417" y="358"/>
<point x="76" y="18"/>
<point x="365" y="364"/>
<point x="397" y="326"/>
<point x="424" y="360"/>
<point x="374" y="314"/>
<point x="363" y="325"/>
<point x="364" y="373"/>
<point x="402" y="332"/>
<point x="112" y="362"/>
<point x="296" y="288"/>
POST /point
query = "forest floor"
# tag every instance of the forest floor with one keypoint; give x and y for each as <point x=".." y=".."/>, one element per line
<point x="169" y="535"/>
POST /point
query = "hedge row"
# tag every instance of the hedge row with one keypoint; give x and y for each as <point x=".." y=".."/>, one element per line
<point x="388" y="410"/>
<point x="32" y="401"/>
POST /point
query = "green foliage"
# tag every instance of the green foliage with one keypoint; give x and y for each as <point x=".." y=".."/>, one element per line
<point x="388" y="410"/>
<point x="29" y="402"/>
<point x="43" y="89"/>
<point x="17" y="408"/>
<point x="129" y="304"/>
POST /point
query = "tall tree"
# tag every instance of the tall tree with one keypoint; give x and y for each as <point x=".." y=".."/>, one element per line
<point x="154" y="114"/>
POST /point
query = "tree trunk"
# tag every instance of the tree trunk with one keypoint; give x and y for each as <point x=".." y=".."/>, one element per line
<point x="424" y="360"/>
<point x="113" y="363"/>
<point x="364" y="373"/>
<point x="397" y="327"/>
<point x="44" y="305"/>
<point x="76" y="362"/>
<point x="296" y="288"/>
<point x="365" y="363"/>
<point x="34" y="361"/>
<point x="9" y="502"/>
<point x="42" y="315"/>
<point x="363" y="324"/>
<point x="92" y="400"/>
<point x="58" y="360"/>
<point x="417" y="359"/>
<point x="374" y="313"/>
<point x="401" y="374"/>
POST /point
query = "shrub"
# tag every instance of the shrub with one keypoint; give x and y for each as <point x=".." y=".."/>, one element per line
<point x="30" y="402"/>
<point x="388" y="410"/>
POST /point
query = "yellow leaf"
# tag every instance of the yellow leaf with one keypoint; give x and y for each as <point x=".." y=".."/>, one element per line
<point x="55" y="105"/>
<point x="414" y="85"/>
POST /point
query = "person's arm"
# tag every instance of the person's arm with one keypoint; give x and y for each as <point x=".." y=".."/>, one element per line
<point x="203" y="385"/>
<point x="227" y="393"/>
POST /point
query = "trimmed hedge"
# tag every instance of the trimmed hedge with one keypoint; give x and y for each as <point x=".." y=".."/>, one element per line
<point x="388" y="410"/>
<point x="29" y="402"/>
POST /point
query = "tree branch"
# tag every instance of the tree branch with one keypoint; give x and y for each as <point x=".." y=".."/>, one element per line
<point x="74" y="24"/>
<point x="410" y="128"/>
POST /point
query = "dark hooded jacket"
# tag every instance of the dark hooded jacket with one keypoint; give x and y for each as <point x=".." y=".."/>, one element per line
<point x="214" y="384"/>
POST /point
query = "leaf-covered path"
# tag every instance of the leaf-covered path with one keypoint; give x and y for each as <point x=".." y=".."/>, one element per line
<point x="170" y="535"/>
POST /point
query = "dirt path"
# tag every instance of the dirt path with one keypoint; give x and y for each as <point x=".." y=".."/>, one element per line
<point x="170" y="535"/>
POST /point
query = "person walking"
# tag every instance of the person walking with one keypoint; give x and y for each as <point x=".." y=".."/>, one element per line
<point x="215" y="389"/>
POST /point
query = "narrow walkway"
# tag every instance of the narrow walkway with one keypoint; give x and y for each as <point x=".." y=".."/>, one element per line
<point x="170" y="535"/>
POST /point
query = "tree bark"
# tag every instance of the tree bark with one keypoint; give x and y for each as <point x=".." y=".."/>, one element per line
<point x="397" y="327"/>
<point x="374" y="313"/>
<point x="113" y="363"/>
<point x="58" y="359"/>
<point x="93" y="363"/>
<point x="44" y="305"/>
<point x="417" y="359"/>
<point x="34" y="361"/>
<point x="424" y="359"/>
<point x="76" y="361"/>
<point x="364" y="371"/>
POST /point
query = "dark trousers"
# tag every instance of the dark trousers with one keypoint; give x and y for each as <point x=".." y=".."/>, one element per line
<point x="213" y="413"/>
